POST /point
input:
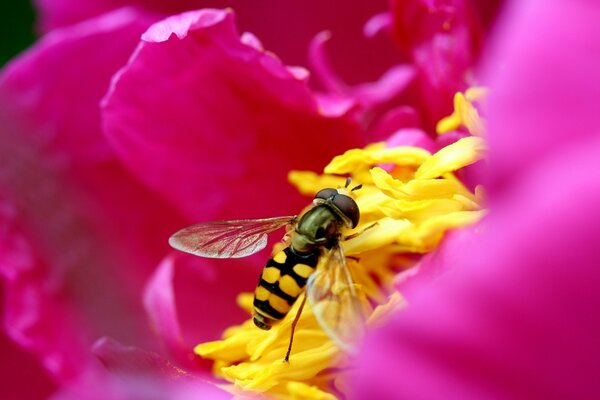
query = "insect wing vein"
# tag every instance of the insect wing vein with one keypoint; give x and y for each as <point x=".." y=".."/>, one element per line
<point x="333" y="300"/>
<point x="227" y="239"/>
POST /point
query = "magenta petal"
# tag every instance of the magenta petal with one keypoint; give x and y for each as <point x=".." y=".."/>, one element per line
<point x="202" y="294"/>
<point x="33" y="317"/>
<point x="381" y="91"/>
<point x="453" y="250"/>
<point x="357" y="58"/>
<point x="526" y="70"/>
<point x="55" y="86"/>
<point x="223" y="121"/>
<point x="378" y="23"/>
<point x="159" y="301"/>
<point x="133" y="373"/>
<point x="105" y="387"/>
<point x="18" y="370"/>
<point x="411" y="137"/>
<point x="58" y="13"/>
<point x="518" y="317"/>
<point x="390" y="85"/>
<point x="443" y="39"/>
<point x="393" y="120"/>
<point x="132" y="361"/>
<point x="320" y="63"/>
<point x="79" y="235"/>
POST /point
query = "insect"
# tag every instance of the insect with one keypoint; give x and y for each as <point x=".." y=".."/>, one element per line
<point x="313" y="240"/>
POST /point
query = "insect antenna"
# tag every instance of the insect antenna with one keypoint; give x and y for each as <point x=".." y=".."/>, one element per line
<point x="357" y="187"/>
<point x="348" y="180"/>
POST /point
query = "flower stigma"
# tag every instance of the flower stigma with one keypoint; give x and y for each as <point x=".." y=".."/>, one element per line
<point x="409" y="199"/>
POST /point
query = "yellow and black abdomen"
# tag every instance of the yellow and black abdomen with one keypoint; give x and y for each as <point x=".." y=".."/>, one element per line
<point x="281" y="282"/>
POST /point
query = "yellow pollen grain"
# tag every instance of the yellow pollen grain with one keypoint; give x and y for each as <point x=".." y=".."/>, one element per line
<point x="271" y="274"/>
<point x="280" y="257"/>
<point x="279" y="304"/>
<point x="303" y="270"/>
<point x="289" y="286"/>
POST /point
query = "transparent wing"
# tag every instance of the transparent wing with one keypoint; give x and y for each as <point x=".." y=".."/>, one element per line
<point x="227" y="239"/>
<point x="333" y="300"/>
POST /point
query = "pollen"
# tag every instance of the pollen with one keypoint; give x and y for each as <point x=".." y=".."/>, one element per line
<point x="410" y="198"/>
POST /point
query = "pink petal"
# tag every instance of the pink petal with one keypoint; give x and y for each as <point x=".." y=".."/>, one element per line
<point x="58" y="13"/>
<point x="517" y="317"/>
<point x="526" y="70"/>
<point x="223" y="120"/>
<point x="378" y="23"/>
<point x="390" y="85"/>
<point x="320" y="63"/>
<point x="381" y="91"/>
<point x="356" y="58"/>
<point x="19" y="370"/>
<point x="411" y="137"/>
<point x="69" y="70"/>
<point x="159" y="301"/>
<point x="443" y="41"/>
<point x="132" y="361"/>
<point x="200" y="292"/>
<point x="132" y="373"/>
<point x="106" y="387"/>
<point x="455" y="249"/>
<point x="393" y="120"/>
<point x="79" y="234"/>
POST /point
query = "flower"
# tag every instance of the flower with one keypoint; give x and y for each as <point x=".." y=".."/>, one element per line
<point x="99" y="170"/>
<point x="515" y="317"/>
<point x="404" y="213"/>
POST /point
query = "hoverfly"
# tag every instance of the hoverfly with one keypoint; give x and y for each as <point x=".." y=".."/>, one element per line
<point x="313" y="239"/>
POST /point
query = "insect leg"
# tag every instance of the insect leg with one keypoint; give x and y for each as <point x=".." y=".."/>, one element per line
<point x="294" y="323"/>
<point x="360" y="232"/>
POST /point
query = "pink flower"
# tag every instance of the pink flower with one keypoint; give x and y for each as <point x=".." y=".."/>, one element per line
<point x="111" y="143"/>
<point x="515" y="313"/>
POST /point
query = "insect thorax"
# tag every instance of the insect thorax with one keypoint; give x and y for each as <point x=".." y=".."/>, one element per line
<point x="318" y="227"/>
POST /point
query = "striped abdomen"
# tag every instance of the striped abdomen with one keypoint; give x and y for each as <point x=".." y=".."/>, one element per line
<point x="282" y="280"/>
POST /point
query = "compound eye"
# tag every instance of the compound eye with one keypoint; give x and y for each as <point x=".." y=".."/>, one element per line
<point x="326" y="193"/>
<point x="348" y="207"/>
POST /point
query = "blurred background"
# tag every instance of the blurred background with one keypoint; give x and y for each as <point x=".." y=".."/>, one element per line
<point x="17" y="31"/>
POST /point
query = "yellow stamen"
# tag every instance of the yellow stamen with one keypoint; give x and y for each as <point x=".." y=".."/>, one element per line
<point x="459" y="154"/>
<point x="465" y="113"/>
